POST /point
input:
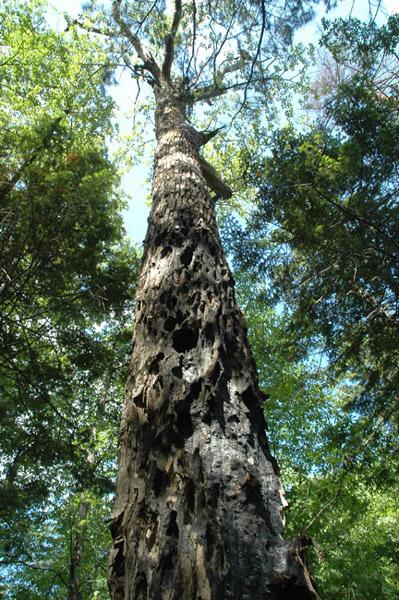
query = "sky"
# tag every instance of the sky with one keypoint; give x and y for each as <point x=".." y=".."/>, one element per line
<point x="135" y="217"/>
<point x="392" y="6"/>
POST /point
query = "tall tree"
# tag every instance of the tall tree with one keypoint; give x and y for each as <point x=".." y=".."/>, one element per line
<point x="198" y="502"/>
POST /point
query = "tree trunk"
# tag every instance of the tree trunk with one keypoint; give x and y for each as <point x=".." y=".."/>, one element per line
<point x="79" y="532"/>
<point x="74" y="584"/>
<point x="198" y="504"/>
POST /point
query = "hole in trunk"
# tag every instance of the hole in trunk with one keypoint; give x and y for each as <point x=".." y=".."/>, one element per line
<point x="186" y="256"/>
<point x="141" y="586"/>
<point x="138" y="400"/>
<point x="173" y="530"/>
<point x="185" y="339"/>
<point x="177" y="372"/>
<point x="209" y="332"/>
<point x="170" y="324"/>
<point x="154" y="366"/>
<point x="290" y="589"/>
<point x="160" y="482"/>
<point x="167" y="250"/>
<point x="195" y="390"/>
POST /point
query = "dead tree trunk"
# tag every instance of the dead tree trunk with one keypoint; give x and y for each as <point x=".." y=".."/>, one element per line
<point x="198" y="503"/>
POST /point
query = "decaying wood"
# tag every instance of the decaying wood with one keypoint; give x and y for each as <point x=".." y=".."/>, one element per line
<point x="198" y="505"/>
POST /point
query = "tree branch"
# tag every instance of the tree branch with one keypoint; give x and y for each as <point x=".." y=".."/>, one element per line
<point x="360" y="219"/>
<point x="214" y="90"/>
<point x="89" y="29"/>
<point x="325" y="506"/>
<point x="149" y="63"/>
<point x="221" y="189"/>
<point x="206" y="136"/>
<point x="255" y="59"/>
<point x="170" y="42"/>
<point x="193" y="57"/>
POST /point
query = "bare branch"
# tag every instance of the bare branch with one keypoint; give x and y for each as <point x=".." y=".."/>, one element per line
<point x="216" y="89"/>
<point x="91" y="29"/>
<point x="218" y="50"/>
<point x="221" y="189"/>
<point x="146" y="16"/>
<point x="255" y="59"/>
<point x="221" y="72"/>
<point x="193" y="57"/>
<point x="206" y="136"/>
<point x="149" y="63"/>
<point x="170" y="42"/>
<point x="213" y="91"/>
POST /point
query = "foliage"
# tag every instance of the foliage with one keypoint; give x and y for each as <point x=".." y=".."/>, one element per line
<point x="324" y="236"/>
<point x="298" y="400"/>
<point x="38" y="564"/>
<point x="328" y="210"/>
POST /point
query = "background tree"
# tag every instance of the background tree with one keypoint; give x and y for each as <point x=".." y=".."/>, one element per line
<point x="347" y="507"/>
<point x="66" y="285"/>
<point x="329" y="203"/>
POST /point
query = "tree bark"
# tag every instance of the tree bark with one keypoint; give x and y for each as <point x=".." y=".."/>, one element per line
<point x="198" y="509"/>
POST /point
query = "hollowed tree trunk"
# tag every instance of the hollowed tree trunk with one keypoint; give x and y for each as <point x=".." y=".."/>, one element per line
<point x="198" y="504"/>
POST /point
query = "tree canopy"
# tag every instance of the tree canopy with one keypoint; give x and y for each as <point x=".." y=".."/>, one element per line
<point x="328" y="205"/>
